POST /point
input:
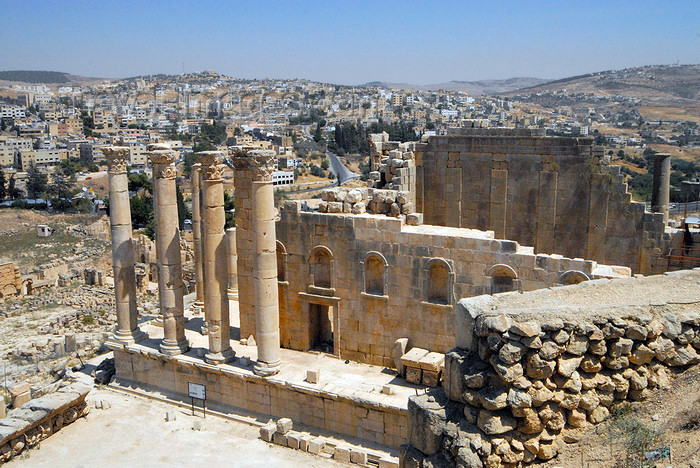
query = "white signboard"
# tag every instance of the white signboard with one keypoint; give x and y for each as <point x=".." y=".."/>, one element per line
<point x="197" y="390"/>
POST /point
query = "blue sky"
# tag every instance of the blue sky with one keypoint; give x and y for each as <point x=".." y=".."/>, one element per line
<point x="347" y="42"/>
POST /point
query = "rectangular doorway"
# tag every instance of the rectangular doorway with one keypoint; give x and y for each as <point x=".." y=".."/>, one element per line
<point x="321" y="328"/>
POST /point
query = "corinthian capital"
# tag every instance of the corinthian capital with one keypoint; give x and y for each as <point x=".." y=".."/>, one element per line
<point x="212" y="169"/>
<point x="260" y="162"/>
<point x="117" y="158"/>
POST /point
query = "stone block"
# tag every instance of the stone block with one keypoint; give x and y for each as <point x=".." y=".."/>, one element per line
<point x="388" y="390"/>
<point x="170" y="416"/>
<point x="414" y="374"/>
<point x="279" y="439"/>
<point x="293" y="439"/>
<point x="398" y="350"/>
<point x="267" y="432"/>
<point x="388" y="462"/>
<point x="315" y="446"/>
<point x="413" y="357"/>
<point x="431" y="378"/>
<point x="284" y="425"/>
<point x="358" y="457"/>
<point x="198" y="425"/>
<point x="432" y="362"/>
<point x="313" y="376"/>
<point x="342" y="453"/>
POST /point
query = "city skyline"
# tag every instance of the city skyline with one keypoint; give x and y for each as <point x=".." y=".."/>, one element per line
<point x="410" y="42"/>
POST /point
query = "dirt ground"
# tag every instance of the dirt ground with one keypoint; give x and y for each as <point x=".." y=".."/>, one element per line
<point x="133" y="432"/>
<point x="673" y="414"/>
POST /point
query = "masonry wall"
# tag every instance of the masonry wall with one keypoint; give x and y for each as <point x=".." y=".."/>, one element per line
<point x="533" y="371"/>
<point x="553" y="193"/>
<point x="10" y="281"/>
<point x="366" y="324"/>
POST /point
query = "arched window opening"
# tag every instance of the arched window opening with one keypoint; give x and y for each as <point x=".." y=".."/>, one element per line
<point x="573" y="277"/>
<point x="320" y="263"/>
<point x="438" y="283"/>
<point x="503" y="278"/>
<point x="374" y="275"/>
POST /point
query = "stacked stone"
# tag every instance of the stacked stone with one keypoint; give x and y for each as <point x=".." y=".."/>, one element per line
<point x="358" y="201"/>
<point x="393" y="162"/>
<point x="530" y="386"/>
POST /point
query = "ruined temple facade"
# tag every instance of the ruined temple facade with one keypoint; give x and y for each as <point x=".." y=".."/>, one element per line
<point x="351" y="285"/>
<point x="557" y="194"/>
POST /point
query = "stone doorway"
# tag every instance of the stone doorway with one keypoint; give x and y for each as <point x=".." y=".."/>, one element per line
<point x="321" y="327"/>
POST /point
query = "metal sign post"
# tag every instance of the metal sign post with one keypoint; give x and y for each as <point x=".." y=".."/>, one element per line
<point x="198" y="392"/>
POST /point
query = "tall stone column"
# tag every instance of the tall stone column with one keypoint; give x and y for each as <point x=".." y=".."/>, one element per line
<point x="661" y="184"/>
<point x="232" y="257"/>
<point x="127" y="331"/>
<point x="259" y="166"/>
<point x="170" y="285"/>
<point x="215" y="258"/>
<point x="197" y="236"/>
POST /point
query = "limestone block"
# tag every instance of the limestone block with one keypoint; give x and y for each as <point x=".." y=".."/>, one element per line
<point x="430" y="378"/>
<point x="315" y="446"/>
<point x="432" y="362"/>
<point x="279" y="439"/>
<point x="398" y="350"/>
<point x="414" y="219"/>
<point x="414" y="374"/>
<point x="358" y="457"/>
<point x="284" y="425"/>
<point x="293" y="440"/>
<point x="313" y="376"/>
<point x="342" y="453"/>
<point x="495" y="423"/>
<point x="413" y="356"/>
<point x="388" y="462"/>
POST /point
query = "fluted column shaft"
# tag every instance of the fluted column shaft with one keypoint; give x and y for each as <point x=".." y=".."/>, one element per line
<point x="197" y="236"/>
<point x="170" y="285"/>
<point x="127" y="331"/>
<point x="215" y="259"/>
<point x="259" y="165"/>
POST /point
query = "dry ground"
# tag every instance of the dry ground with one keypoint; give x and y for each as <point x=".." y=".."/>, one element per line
<point x="674" y="413"/>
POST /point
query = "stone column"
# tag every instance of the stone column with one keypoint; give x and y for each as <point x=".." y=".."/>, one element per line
<point x="232" y="257"/>
<point x="215" y="259"/>
<point x="127" y="331"/>
<point x="661" y="184"/>
<point x="170" y="285"/>
<point x="197" y="236"/>
<point x="259" y="166"/>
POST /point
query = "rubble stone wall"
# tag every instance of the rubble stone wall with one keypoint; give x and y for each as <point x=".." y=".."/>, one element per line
<point x="556" y="194"/>
<point x="39" y="418"/>
<point x="525" y="379"/>
<point x="10" y="281"/>
<point x="367" y="322"/>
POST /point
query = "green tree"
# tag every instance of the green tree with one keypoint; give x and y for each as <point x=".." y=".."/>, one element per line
<point x="13" y="193"/>
<point x="3" y="188"/>
<point x="36" y="182"/>
<point x="141" y="210"/>
<point x="229" y="207"/>
<point x="325" y="164"/>
<point x="61" y="187"/>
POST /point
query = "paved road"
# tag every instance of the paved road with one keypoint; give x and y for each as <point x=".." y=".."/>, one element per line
<point x="342" y="173"/>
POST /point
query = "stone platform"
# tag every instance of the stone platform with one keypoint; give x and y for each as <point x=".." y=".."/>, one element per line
<point x="347" y="400"/>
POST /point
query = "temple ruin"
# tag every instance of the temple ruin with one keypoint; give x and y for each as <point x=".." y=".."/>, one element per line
<point x="399" y="265"/>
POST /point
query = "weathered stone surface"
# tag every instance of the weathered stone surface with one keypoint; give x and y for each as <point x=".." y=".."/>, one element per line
<point x="493" y="398"/>
<point x="636" y="332"/>
<point x="530" y="423"/>
<point x="511" y="352"/>
<point x="599" y="414"/>
<point x="550" y="350"/>
<point x="498" y="323"/>
<point x="672" y="326"/>
<point x="560" y="337"/>
<point x="620" y="347"/>
<point x="591" y="363"/>
<point x="641" y="355"/>
<point x="525" y="329"/>
<point x="567" y="364"/>
<point x="539" y="368"/>
<point x="519" y="399"/>
<point x="578" y="344"/>
<point x="507" y="373"/>
<point x="466" y="458"/>
<point x="495" y="423"/>
<point x="427" y="421"/>
<point x="599" y="348"/>
<point x="552" y="416"/>
<point x="684" y="356"/>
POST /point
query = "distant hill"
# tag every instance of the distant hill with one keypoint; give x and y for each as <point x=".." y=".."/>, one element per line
<point x="475" y="88"/>
<point x="41" y="77"/>
<point x="651" y="82"/>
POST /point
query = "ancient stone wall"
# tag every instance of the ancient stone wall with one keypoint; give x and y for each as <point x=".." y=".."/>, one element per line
<point x="380" y="279"/>
<point x="10" y="281"/>
<point x="532" y="371"/>
<point x="556" y="194"/>
<point x="39" y="418"/>
<point x="393" y="165"/>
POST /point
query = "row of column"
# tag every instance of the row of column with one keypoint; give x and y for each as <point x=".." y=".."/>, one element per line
<point x="213" y="250"/>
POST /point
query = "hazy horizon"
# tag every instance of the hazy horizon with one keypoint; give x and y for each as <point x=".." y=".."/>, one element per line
<point x="411" y="42"/>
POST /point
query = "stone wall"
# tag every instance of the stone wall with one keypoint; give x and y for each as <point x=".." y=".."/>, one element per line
<point x="369" y="419"/>
<point x="393" y="164"/>
<point x="377" y="279"/>
<point x="39" y="418"/>
<point x="10" y="281"/>
<point x="532" y="371"/>
<point x="553" y="193"/>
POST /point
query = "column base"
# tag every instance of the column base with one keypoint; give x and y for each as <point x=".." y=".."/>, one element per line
<point x="128" y="337"/>
<point x="172" y="349"/>
<point x="220" y="358"/>
<point x="232" y="294"/>
<point x="266" y="369"/>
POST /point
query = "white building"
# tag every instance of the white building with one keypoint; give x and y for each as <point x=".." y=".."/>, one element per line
<point x="283" y="178"/>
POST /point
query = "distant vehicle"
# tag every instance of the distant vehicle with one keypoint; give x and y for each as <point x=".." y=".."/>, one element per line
<point x="88" y="178"/>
